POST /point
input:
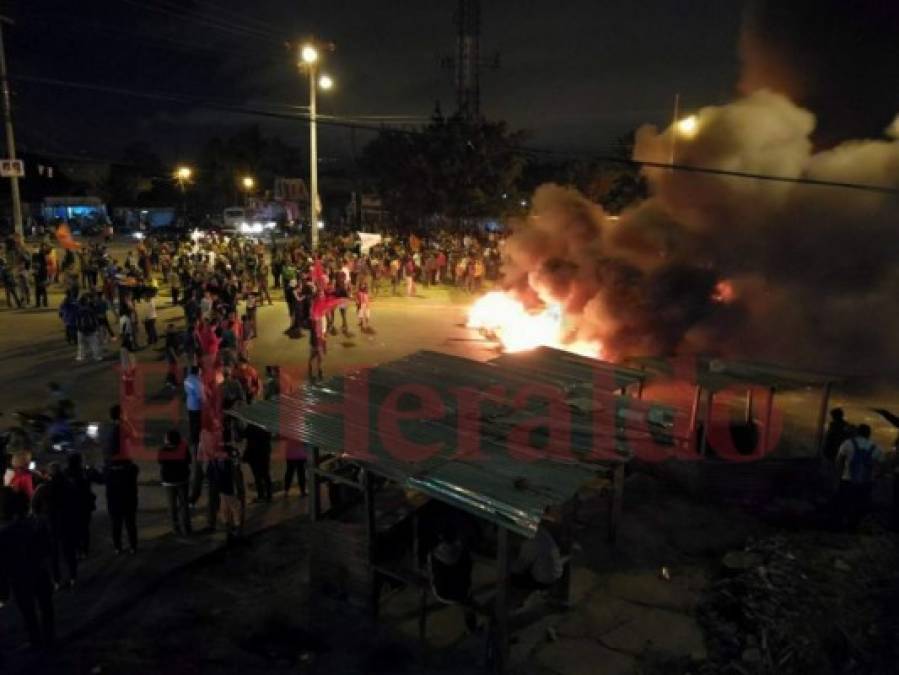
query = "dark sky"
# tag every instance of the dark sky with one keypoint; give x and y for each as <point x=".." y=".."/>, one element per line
<point x="574" y="73"/>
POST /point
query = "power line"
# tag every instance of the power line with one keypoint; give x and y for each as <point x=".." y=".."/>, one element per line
<point x="218" y="24"/>
<point x="338" y="121"/>
<point x="262" y="23"/>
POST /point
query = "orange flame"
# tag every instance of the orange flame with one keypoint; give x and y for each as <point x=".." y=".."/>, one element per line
<point x="518" y="329"/>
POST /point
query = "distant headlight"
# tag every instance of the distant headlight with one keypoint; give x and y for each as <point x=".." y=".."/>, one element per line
<point x="138" y="235"/>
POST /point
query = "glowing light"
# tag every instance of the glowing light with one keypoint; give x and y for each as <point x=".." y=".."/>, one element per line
<point x="724" y="292"/>
<point x="309" y="54"/>
<point x="688" y="126"/>
<point x="183" y="173"/>
<point x="248" y="182"/>
<point x="325" y="82"/>
<point x="518" y="329"/>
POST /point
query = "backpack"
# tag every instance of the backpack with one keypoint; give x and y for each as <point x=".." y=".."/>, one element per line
<point x="86" y="321"/>
<point x="861" y="465"/>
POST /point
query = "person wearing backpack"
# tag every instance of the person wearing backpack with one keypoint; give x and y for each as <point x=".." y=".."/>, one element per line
<point x="88" y="331"/>
<point x="856" y="459"/>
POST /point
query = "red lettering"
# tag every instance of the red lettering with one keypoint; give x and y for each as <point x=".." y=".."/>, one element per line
<point x="390" y="415"/>
<point x="557" y="424"/>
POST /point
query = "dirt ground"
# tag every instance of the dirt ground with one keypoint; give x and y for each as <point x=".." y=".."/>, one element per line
<point x="251" y="609"/>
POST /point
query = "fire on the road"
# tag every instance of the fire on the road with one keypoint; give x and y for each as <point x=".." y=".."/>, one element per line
<point x="517" y="329"/>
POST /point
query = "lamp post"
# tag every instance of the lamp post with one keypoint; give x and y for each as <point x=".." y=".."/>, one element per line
<point x="183" y="175"/>
<point x="309" y="55"/>
<point x="10" y="139"/>
<point x="248" y="184"/>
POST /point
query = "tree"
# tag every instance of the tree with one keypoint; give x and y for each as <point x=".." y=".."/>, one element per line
<point x="629" y="185"/>
<point x="453" y="167"/>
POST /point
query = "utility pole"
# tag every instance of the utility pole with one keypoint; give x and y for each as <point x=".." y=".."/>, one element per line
<point x="674" y="118"/>
<point x="467" y="62"/>
<point x="313" y="162"/>
<point x="10" y="138"/>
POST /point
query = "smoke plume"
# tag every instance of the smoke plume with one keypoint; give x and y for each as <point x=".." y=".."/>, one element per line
<point x="800" y="274"/>
<point x="835" y="57"/>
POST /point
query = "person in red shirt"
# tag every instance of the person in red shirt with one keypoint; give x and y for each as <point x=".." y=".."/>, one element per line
<point x="363" y="308"/>
<point x="249" y="378"/>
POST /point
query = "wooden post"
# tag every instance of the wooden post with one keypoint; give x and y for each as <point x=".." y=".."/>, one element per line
<point x="707" y="422"/>
<point x="502" y="598"/>
<point x="694" y="410"/>
<point x="315" y="502"/>
<point x="371" y="532"/>
<point x="617" y="501"/>
<point x="822" y="418"/>
<point x="748" y="414"/>
<point x="766" y="435"/>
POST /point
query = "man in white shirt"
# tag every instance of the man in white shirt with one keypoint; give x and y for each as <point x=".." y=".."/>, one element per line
<point x="539" y="564"/>
<point x="856" y="459"/>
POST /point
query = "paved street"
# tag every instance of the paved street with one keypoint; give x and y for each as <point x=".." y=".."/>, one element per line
<point x="34" y="352"/>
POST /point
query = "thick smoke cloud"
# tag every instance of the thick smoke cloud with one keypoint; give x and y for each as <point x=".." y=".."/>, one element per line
<point x="836" y="57"/>
<point x="813" y="271"/>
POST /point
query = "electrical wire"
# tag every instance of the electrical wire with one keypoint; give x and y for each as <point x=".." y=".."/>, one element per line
<point x="349" y="123"/>
<point x="209" y="22"/>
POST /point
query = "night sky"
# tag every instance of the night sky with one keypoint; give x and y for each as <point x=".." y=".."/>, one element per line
<point x="576" y="74"/>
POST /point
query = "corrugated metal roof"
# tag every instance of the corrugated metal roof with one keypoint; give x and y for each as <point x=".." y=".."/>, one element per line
<point x="717" y="374"/>
<point x="555" y="366"/>
<point x="470" y="453"/>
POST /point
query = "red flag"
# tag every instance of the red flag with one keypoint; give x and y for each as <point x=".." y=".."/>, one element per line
<point x="65" y="239"/>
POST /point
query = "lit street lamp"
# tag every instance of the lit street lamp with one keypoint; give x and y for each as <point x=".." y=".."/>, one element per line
<point x="309" y="58"/>
<point x="183" y="175"/>
<point x="248" y="184"/>
<point x="687" y="126"/>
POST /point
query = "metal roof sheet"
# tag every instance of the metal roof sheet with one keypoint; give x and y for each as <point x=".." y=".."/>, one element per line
<point x="461" y="450"/>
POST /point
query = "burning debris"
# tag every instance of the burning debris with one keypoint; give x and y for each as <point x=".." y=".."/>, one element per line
<point x="718" y="264"/>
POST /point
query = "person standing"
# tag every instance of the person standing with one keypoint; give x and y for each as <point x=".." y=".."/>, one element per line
<point x="88" y="331"/>
<point x="856" y="460"/>
<point x="150" y="317"/>
<point x="258" y="454"/>
<point x="86" y="502"/>
<point x="120" y="477"/>
<point x="25" y="568"/>
<point x="194" y="396"/>
<point x="10" y="286"/>
<point x="174" y="474"/>
<point x="41" y="279"/>
<point x="295" y="457"/>
<point x="226" y="473"/>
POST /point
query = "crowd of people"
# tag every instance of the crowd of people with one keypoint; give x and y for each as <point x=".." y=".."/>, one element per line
<point x="219" y="285"/>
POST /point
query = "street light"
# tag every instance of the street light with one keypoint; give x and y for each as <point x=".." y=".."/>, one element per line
<point x="688" y="126"/>
<point x="248" y="183"/>
<point x="183" y="175"/>
<point x="309" y="57"/>
<point x="309" y="54"/>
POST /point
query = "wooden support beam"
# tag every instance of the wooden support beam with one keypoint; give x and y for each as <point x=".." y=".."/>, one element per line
<point x="748" y="416"/>
<point x="315" y="500"/>
<point x="822" y="418"/>
<point x="694" y="411"/>
<point x="337" y="478"/>
<point x="706" y="424"/>
<point x="766" y="434"/>
<point x="617" y="501"/>
<point x="501" y="609"/>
